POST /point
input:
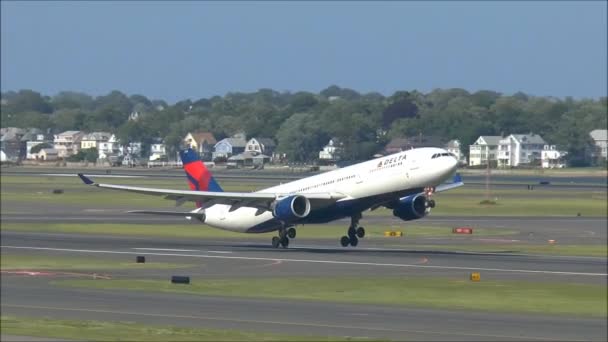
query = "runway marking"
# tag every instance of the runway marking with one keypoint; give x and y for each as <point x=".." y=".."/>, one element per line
<point x="337" y="262"/>
<point x="226" y="319"/>
<point x="220" y="252"/>
<point x="167" y="249"/>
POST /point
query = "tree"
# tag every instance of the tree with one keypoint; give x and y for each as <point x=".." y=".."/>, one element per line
<point x="37" y="148"/>
<point x="300" y="139"/>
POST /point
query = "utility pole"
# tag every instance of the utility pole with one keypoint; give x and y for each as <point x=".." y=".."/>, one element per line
<point x="488" y="180"/>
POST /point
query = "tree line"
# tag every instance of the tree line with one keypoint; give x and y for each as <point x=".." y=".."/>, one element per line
<point x="303" y="122"/>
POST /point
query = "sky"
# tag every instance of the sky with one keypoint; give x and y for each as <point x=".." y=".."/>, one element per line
<point x="179" y="50"/>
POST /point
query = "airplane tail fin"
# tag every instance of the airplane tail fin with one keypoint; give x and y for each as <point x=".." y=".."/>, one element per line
<point x="199" y="177"/>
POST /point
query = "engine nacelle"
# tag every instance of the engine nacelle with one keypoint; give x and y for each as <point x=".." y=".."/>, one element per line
<point x="291" y="208"/>
<point x="411" y="207"/>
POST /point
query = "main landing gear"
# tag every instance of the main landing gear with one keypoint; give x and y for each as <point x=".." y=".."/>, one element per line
<point x="283" y="239"/>
<point x="354" y="232"/>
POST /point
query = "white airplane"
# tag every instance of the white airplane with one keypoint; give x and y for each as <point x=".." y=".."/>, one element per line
<point x="403" y="182"/>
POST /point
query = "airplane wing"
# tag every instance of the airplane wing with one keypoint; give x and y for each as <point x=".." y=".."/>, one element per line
<point x="236" y="200"/>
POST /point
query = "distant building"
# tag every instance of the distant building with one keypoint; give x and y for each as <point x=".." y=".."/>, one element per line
<point x="228" y="147"/>
<point x="11" y="144"/>
<point x="265" y="146"/>
<point x="132" y="149"/>
<point x="248" y="158"/>
<point x="484" y="150"/>
<point x="94" y="140"/>
<point x="600" y="139"/>
<point x="453" y="146"/>
<point x="158" y="150"/>
<point x="46" y="154"/>
<point x="36" y="140"/>
<point x="202" y="142"/>
<point x="520" y="149"/>
<point x="332" y="151"/>
<point x="109" y="148"/>
<point x="552" y="158"/>
<point x="67" y="143"/>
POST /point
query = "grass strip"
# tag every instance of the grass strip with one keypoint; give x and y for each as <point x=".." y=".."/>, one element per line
<point x="45" y="262"/>
<point x="92" y="330"/>
<point x="446" y="293"/>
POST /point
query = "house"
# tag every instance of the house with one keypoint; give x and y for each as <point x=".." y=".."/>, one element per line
<point x="202" y="142"/>
<point x="600" y="139"/>
<point x="265" y="146"/>
<point x="67" y="143"/>
<point x="11" y="144"/>
<point x="552" y="158"/>
<point x="109" y="148"/>
<point x="46" y="154"/>
<point x="35" y="140"/>
<point x="518" y="149"/>
<point x="484" y="150"/>
<point x="248" y="158"/>
<point x="134" y="116"/>
<point x="133" y="148"/>
<point x="403" y="144"/>
<point x="158" y="150"/>
<point x="331" y="152"/>
<point x="228" y="147"/>
<point x="94" y="140"/>
<point x="453" y="146"/>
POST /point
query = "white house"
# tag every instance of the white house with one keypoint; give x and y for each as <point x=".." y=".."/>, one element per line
<point x="484" y="149"/>
<point x="518" y="149"/>
<point x="67" y="143"/>
<point x="552" y="158"/>
<point x="265" y="146"/>
<point x="600" y="138"/>
<point x="46" y="154"/>
<point x="331" y="151"/>
<point x="453" y="146"/>
<point x="157" y="150"/>
<point x="109" y="148"/>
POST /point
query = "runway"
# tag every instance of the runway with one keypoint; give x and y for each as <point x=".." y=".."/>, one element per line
<point x="215" y="258"/>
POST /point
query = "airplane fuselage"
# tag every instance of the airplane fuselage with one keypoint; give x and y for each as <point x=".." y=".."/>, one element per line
<point x="362" y="187"/>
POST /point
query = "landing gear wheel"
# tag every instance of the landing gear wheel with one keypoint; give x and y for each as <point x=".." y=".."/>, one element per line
<point x="360" y="232"/>
<point x="432" y="204"/>
<point x="285" y="242"/>
<point x="354" y="241"/>
<point x="344" y="241"/>
<point x="352" y="232"/>
<point x="291" y="233"/>
<point x="275" y="241"/>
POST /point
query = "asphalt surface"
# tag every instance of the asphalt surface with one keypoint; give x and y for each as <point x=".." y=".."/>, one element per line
<point x="214" y="258"/>
<point x="33" y="294"/>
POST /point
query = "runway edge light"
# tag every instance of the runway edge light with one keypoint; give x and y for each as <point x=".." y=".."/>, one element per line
<point x="475" y="276"/>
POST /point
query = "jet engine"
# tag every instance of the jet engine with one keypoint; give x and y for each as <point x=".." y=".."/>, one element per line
<point x="291" y="208"/>
<point x="411" y="207"/>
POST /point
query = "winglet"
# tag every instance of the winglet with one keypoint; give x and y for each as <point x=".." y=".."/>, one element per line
<point x="85" y="179"/>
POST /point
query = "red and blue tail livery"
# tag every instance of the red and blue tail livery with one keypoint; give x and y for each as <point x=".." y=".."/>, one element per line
<point x="199" y="177"/>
